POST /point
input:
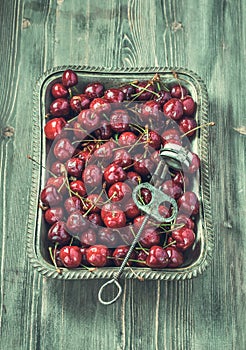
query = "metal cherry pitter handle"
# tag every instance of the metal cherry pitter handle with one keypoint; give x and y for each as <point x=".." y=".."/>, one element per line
<point x="176" y="157"/>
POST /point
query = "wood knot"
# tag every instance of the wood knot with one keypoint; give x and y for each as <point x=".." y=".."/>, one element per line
<point x="175" y="26"/>
<point x="26" y="23"/>
<point x="8" y="131"/>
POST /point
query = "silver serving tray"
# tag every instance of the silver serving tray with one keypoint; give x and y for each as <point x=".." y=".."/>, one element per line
<point x="201" y="254"/>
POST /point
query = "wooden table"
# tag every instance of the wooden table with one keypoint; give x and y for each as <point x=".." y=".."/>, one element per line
<point x="207" y="37"/>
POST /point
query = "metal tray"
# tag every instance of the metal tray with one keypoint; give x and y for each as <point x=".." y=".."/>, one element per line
<point x="201" y="254"/>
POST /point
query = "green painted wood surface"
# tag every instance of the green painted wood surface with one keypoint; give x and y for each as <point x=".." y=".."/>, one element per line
<point x="208" y="37"/>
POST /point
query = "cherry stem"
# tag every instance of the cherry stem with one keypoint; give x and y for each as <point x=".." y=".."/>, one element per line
<point x="198" y="127"/>
<point x="52" y="256"/>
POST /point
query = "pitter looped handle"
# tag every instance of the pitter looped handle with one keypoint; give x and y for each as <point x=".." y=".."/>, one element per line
<point x="109" y="302"/>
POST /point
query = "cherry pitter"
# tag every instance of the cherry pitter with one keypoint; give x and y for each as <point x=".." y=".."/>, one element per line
<point x="175" y="157"/>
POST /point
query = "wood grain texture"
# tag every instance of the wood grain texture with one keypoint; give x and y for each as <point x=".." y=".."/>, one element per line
<point x="208" y="37"/>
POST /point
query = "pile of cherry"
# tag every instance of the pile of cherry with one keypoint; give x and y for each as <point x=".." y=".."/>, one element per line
<point x="101" y="143"/>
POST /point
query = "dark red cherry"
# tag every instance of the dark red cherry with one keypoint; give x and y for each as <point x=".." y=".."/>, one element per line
<point x="120" y="253"/>
<point x="59" y="107"/>
<point x="150" y="109"/>
<point x="100" y="106"/>
<point x="74" y="167"/>
<point x="114" y="95"/>
<point x="70" y="256"/>
<point x="54" y="127"/>
<point x="105" y="151"/>
<point x="188" y="105"/>
<point x="173" y="108"/>
<point x="58" y="233"/>
<point x="194" y="164"/>
<point x="114" y="173"/>
<point x="131" y="210"/>
<point x="60" y="184"/>
<point x="63" y="149"/>
<point x="141" y="256"/>
<point x="146" y="195"/>
<point x="97" y="255"/>
<point x="52" y="215"/>
<point x="122" y="158"/>
<point x="69" y="78"/>
<point x="72" y="204"/>
<point x="76" y="223"/>
<point x="181" y="180"/>
<point x="92" y="203"/>
<point x="50" y="196"/>
<point x="184" y="238"/>
<point x="143" y="166"/>
<point x="79" y="132"/>
<point x="171" y="136"/>
<point x="92" y="176"/>
<point x="119" y="120"/>
<point x="183" y="220"/>
<point x="186" y="125"/>
<point x="128" y="91"/>
<point x="127" y="138"/>
<point x="95" y="219"/>
<point x="153" y="139"/>
<point x="88" y="237"/>
<point x="150" y="237"/>
<point x="144" y="90"/>
<point x="79" y="102"/>
<point x="164" y="211"/>
<point x="108" y="237"/>
<point x="78" y="186"/>
<point x="162" y="98"/>
<point x="175" y="256"/>
<point x="157" y="258"/>
<point x="104" y="132"/>
<point x="58" y="90"/>
<point x="134" y="178"/>
<point x="178" y="91"/>
<point x="172" y="189"/>
<point x="94" y="90"/>
<point x="119" y="192"/>
<point x="188" y="203"/>
<point x="58" y="168"/>
<point x="89" y="119"/>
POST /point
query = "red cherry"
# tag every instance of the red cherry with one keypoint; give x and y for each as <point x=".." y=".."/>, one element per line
<point x="54" y="127"/>
<point x="143" y="166"/>
<point x="188" y="105"/>
<point x="94" y="90"/>
<point x="141" y="90"/>
<point x="114" y="95"/>
<point x="175" y="256"/>
<point x="108" y="237"/>
<point x="104" y="132"/>
<point x="58" y="233"/>
<point x="141" y="256"/>
<point x="122" y="158"/>
<point x="184" y="238"/>
<point x="63" y="149"/>
<point x="150" y="110"/>
<point x="171" y="136"/>
<point x="127" y="138"/>
<point x="58" y="168"/>
<point x="50" y="197"/>
<point x="76" y="223"/>
<point x="59" y="183"/>
<point x="119" y="120"/>
<point x="89" y="120"/>
<point x="157" y="258"/>
<point x="92" y="203"/>
<point x="88" y="238"/>
<point x="74" y="167"/>
<point x="95" y="219"/>
<point x="150" y="237"/>
<point x="188" y="203"/>
<point x="120" y="253"/>
<point x="172" y="189"/>
<point x="72" y="204"/>
<point x="79" y="102"/>
<point x="162" y="98"/>
<point x="131" y="210"/>
<point x="70" y="256"/>
<point x="178" y="91"/>
<point x="153" y="139"/>
<point x="114" y="173"/>
<point x="105" y="151"/>
<point x="185" y="220"/>
<point x="59" y="107"/>
<point x="52" y="215"/>
<point x="173" y="108"/>
<point x="194" y="164"/>
<point x="69" y="78"/>
<point x="97" y="255"/>
<point x="181" y="180"/>
<point x="119" y="192"/>
<point x="58" y="90"/>
<point x="134" y="177"/>
<point x="78" y="186"/>
<point x="92" y="176"/>
<point x="100" y="106"/>
<point x="128" y="90"/>
<point x="115" y="219"/>
<point x="186" y="125"/>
